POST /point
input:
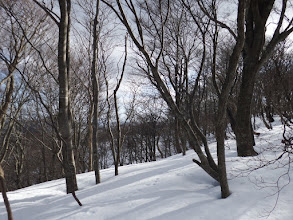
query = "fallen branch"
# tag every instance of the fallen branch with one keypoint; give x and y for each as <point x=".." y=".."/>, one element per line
<point x="76" y="199"/>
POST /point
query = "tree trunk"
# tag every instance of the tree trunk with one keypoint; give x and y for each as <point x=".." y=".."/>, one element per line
<point x="90" y="140"/>
<point x="45" y="173"/>
<point x="3" y="189"/>
<point x="243" y="131"/>
<point x="95" y="95"/>
<point x="116" y="167"/>
<point x="3" y="111"/>
<point x="255" y="54"/>
<point x="220" y="136"/>
<point x="177" y="136"/>
<point x="64" y="115"/>
<point x="8" y="95"/>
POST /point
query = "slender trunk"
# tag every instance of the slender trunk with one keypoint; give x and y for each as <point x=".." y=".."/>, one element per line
<point x="53" y="157"/>
<point x="8" y="95"/>
<point x="158" y="147"/>
<point x="119" y="140"/>
<point x="95" y="96"/>
<point x="90" y="140"/>
<point x="220" y="137"/>
<point x="223" y="95"/>
<point x="119" y="134"/>
<point x="183" y="142"/>
<point x="154" y="147"/>
<point x="3" y="189"/>
<point x="45" y="173"/>
<point x="116" y="167"/>
<point x="267" y="124"/>
<point x="177" y="142"/>
<point x="231" y="113"/>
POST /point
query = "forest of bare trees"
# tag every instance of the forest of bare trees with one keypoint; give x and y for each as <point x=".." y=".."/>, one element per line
<point x="90" y="84"/>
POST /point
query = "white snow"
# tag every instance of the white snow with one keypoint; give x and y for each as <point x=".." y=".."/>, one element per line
<point x="173" y="188"/>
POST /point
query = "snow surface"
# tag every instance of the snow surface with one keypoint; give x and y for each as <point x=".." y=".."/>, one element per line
<point x="173" y="188"/>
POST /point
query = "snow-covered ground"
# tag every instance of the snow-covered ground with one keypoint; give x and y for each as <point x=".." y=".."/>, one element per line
<point x="173" y="188"/>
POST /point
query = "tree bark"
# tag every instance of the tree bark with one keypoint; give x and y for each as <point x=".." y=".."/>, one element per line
<point x="95" y="88"/>
<point x="3" y="189"/>
<point x="243" y="131"/>
<point x="64" y="115"/>
<point x="177" y="136"/>
<point x="254" y="41"/>
<point x="255" y="54"/>
<point x="220" y="137"/>
<point x="90" y="139"/>
<point x="223" y="97"/>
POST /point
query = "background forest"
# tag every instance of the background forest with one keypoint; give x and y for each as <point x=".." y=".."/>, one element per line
<point x="90" y="84"/>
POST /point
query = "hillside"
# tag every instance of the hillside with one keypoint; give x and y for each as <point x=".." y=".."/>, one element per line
<point x="173" y="188"/>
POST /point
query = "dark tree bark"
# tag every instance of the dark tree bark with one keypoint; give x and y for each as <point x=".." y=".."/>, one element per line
<point x="255" y="54"/>
<point x="64" y="115"/>
<point x="177" y="136"/>
<point x="243" y="131"/>
<point x="90" y="137"/>
<point x="95" y="88"/>
<point x="3" y="189"/>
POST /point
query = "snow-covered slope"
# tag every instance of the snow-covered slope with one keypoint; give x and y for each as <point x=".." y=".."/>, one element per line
<point x="173" y="188"/>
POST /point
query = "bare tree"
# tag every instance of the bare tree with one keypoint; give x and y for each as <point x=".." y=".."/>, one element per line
<point x="94" y="37"/>
<point x="156" y="16"/>
<point x="256" y="52"/>
<point x="116" y="143"/>
<point x="13" y="48"/>
<point x="95" y="91"/>
<point x="64" y="115"/>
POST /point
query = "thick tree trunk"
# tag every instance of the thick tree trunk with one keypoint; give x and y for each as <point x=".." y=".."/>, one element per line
<point x="254" y="56"/>
<point x="243" y="131"/>
<point x="64" y="115"/>
<point x="254" y="40"/>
